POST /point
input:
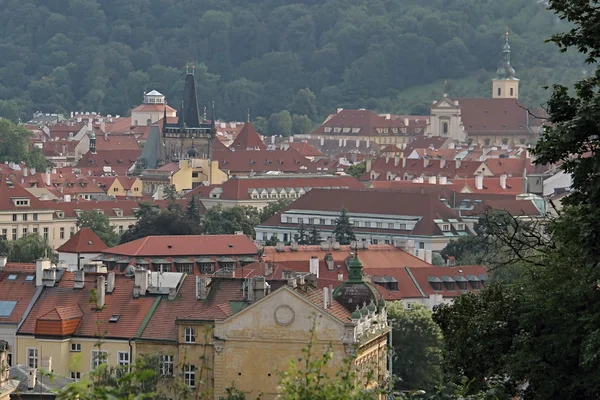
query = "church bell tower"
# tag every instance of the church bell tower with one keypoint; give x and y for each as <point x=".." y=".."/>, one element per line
<point x="505" y="85"/>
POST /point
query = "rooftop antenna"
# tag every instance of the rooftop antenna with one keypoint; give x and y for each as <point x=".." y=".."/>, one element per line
<point x="248" y="114"/>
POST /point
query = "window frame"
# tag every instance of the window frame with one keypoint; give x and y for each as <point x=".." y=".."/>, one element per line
<point x="189" y="375"/>
<point x="32" y="357"/>
<point x="121" y="361"/>
<point x="165" y="364"/>
<point x="189" y="335"/>
<point x="75" y="348"/>
<point x="97" y="358"/>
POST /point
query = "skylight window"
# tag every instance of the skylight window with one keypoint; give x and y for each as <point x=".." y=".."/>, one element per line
<point x="12" y="277"/>
<point x="29" y="278"/>
<point x="114" y="318"/>
<point x="6" y="308"/>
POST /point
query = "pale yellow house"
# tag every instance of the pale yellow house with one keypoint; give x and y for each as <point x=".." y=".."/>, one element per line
<point x="120" y="186"/>
<point x="81" y="321"/>
<point x="185" y="175"/>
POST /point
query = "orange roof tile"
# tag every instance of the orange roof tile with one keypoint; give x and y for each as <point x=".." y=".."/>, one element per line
<point x="248" y="139"/>
<point x="18" y="290"/>
<point x="84" y="241"/>
<point x="421" y="276"/>
<point x="190" y="245"/>
<point x="305" y="149"/>
<point x="114" y="141"/>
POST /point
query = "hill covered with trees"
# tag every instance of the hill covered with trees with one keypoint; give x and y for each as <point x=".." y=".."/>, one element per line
<point x="308" y="57"/>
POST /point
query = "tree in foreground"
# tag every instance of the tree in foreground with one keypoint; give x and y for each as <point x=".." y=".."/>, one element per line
<point x="100" y="224"/>
<point x="356" y="170"/>
<point x="417" y="347"/>
<point x="314" y="235"/>
<point x="302" y="236"/>
<point x="344" y="230"/>
<point x="30" y="248"/>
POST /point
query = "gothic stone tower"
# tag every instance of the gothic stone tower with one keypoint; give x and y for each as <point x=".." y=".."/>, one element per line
<point x="190" y="135"/>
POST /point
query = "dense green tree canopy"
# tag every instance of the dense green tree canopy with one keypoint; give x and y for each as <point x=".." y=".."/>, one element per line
<point x="100" y="224"/>
<point x="307" y="57"/>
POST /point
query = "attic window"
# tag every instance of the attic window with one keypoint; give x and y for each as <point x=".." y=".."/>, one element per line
<point x="6" y="308"/>
<point x="12" y="277"/>
<point x="22" y="202"/>
<point x="114" y="318"/>
<point x="60" y="214"/>
<point x="445" y="227"/>
<point x="29" y="278"/>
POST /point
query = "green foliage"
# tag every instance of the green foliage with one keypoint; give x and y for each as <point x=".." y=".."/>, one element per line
<point x="417" y="347"/>
<point x="302" y="236"/>
<point x="437" y="259"/>
<point x="301" y="124"/>
<point x="29" y="248"/>
<point x="100" y="224"/>
<point x="272" y="241"/>
<point x="273" y="208"/>
<point x="220" y="220"/>
<point x="154" y="221"/>
<point x="344" y="230"/>
<point x="193" y="212"/>
<point x="356" y="170"/>
<point x="14" y="146"/>
<point x="314" y="235"/>
<point x="280" y="124"/>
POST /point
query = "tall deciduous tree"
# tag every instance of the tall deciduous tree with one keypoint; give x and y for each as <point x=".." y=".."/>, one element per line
<point x="417" y="347"/>
<point x="29" y="248"/>
<point x="100" y="224"/>
<point x="344" y="230"/>
<point x="280" y="124"/>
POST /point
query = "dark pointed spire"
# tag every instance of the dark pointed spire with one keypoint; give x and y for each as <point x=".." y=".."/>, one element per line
<point x="213" y="122"/>
<point x="506" y="71"/>
<point x="191" y="112"/>
<point x="181" y="120"/>
<point x="164" y="126"/>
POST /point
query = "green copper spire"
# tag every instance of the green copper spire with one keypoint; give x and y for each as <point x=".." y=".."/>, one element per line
<point x="355" y="270"/>
<point x="506" y="71"/>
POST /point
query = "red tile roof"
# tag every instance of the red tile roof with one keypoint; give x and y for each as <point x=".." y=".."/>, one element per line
<point x="10" y="191"/>
<point x="248" y="139"/>
<point x="242" y="188"/>
<point x="121" y="142"/>
<point x="422" y="278"/>
<point x="305" y="149"/>
<point x="491" y="185"/>
<point x="510" y="166"/>
<point x="514" y="207"/>
<point x="190" y="245"/>
<point x="17" y="290"/>
<point x="494" y="116"/>
<point x="93" y="323"/>
<point x="153" y="108"/>
<point x="109" y="207"/>
<point x="366" y="121"/>
<point x="263" y="161"/>
<point x="84" y="241"/>
<point x="118" y="160"/>
<point x="422" y="167"/>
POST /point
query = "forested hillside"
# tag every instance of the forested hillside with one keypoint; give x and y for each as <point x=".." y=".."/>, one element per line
<point x="101" y="55"/>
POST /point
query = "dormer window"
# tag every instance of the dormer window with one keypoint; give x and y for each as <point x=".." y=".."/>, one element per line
<point x="460" y="227"/>
<point x="21" y="202"/>
<point x="118" y="212"/>
<point x="445" y="227"/>
<point x="60" y="214"/>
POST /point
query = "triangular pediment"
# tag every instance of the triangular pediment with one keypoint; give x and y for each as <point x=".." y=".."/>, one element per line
<point x="445" y="102"/>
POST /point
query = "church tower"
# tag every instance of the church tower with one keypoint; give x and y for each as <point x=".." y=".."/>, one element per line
<point x="505" y="85"/>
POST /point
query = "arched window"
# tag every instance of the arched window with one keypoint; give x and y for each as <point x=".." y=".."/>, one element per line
<point x="444" y="128"/>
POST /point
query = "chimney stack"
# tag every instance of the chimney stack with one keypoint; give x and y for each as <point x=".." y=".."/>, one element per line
<point x="31" y="378"/>
<point x="330" y="295"/>
<point x="503" y="181"/>
<point x="48" y="177"/>
<point x="142" y="276"/>
<point x="260" y="287"/>
<point x="340" y="276"/>
<point x="396" y="161"/>
<point x="79" y="279"/>
<point x="425" y="162"/>
<point x="40" y="266"/>
<point x="314" y="266"/>
<point x="458" y="163"/>
<point x="325" y="298"/>
<point x="202" y="287"/>
<point x="3" y="261"/>
<point x="49" y="277"/>
<point x="110" y="282"/>
<point x="100" y="292"/>
<point x="479" y="182"/>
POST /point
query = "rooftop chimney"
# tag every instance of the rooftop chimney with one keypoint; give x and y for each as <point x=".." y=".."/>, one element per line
<point x="458" y="163"/>
<point x="396" y="161"/>
<point x="314" y="266"/>
<point x="202" y="287"/>
<point x="260" y="287"/>
<point x="406" y="121"/>
<point x="340" y="276"/>
<point x="326" y="298"/>
<point x="40" y="266"/>
<point x="3" y="261"/>
<point x="142" y="277"/>
<point x="100" y="292"/>
<point x="31" y="378"/>
<point x="479" y="182"/>
<point x="425" y="162"/>
<point x="503" y="181"/>
<point x="79" y="279"/>
<point x="48" y="177"/>
<point x="110" y="282"/>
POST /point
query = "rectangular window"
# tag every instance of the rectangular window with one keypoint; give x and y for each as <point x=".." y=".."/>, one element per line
<point x="24" y="217"/>
<point x="14" y="217"/>
<point x="166" y="364"/>
<point x="35" y="216"/>
<point x="4" y="233"/>
<point x="402" y="227"/>
<point x="461" y="227"/>
<point x="387" y="241"/>
<point x="207" y="268"/>
<point x="62" y="233"/>
<point x="75" y="347"/>
<point x="32" y="357"/>
<point x="186" y="268"/>
<point x="189" y="375"/>
<point x="311" y="221"/>
<point x="120" y="229"/>
<point x="162" y="267"/>
<point x="35" y="230"/>
<point x="380" y="224"/>
<point x="288" y="220"/>
<point x="367" y="224"/>
<point x="46" y="234"/>
<point x="322" y="221"/>
<point x="24" y="231"/>
<point x="375" y="241"/>
<point x="123" y="358"/>
<point x="99" y="357"/>
<point x="300" y="220"/>
<point x="190" y="335"/>
<point x="421" y="245"/>
<point x="9" y="359"/>
<point x="115" y="189"/>
<point x="390" y="225"/>
<point x="445" y="227"/>
<point x="14" y="234"/>
<point x="75" y="375"/>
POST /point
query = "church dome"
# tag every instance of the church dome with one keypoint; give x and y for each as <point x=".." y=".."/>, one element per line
<point x="92" y="135"/>
<point x="355" y="291"/>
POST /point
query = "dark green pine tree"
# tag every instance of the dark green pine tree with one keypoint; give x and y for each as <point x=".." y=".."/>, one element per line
<point x="193" y="212"/>
<point x="314" y="235"/>
<point x="344" y="230"/>
<point x="302" y="236"/>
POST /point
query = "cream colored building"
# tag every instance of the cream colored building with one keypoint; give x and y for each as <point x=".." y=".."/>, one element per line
<point x="152" y="110"/>
<point x="186" y="175"/>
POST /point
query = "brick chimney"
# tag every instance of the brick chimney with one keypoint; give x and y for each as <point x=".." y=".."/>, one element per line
<point x="79" y="282"/>
<point x="40" y="266"/>
<point x="141" y="282"/>
<point x="110" y="282"/>
<point x="3" y="261"/>
<point x="503" y="181"/>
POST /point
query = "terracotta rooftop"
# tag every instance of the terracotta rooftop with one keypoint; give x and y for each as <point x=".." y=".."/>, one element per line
<point x="84" y="241"/>
<point x="491" y="185"/>
<point x="514" y="207"/>
<point x="248" y="139"/>
<point x="190" y="245"/>
<point x="474" y="277"/>
<point x="360" y="123"/>
<point x="118" y="160"/>
<point x="422" y="167"/>
<point x="119" y="142"/>
<point x="243" y="188"/>
<point x="15" y="286"/>
<point x="305" y="149"/>
<point x="494" y="116"/>
<point x="153" y="108"/>
<point x="111" y="208"/>
<point x="263" y="161"/>
<point x="11" y="192"/>
<point x="120" y="302"/>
